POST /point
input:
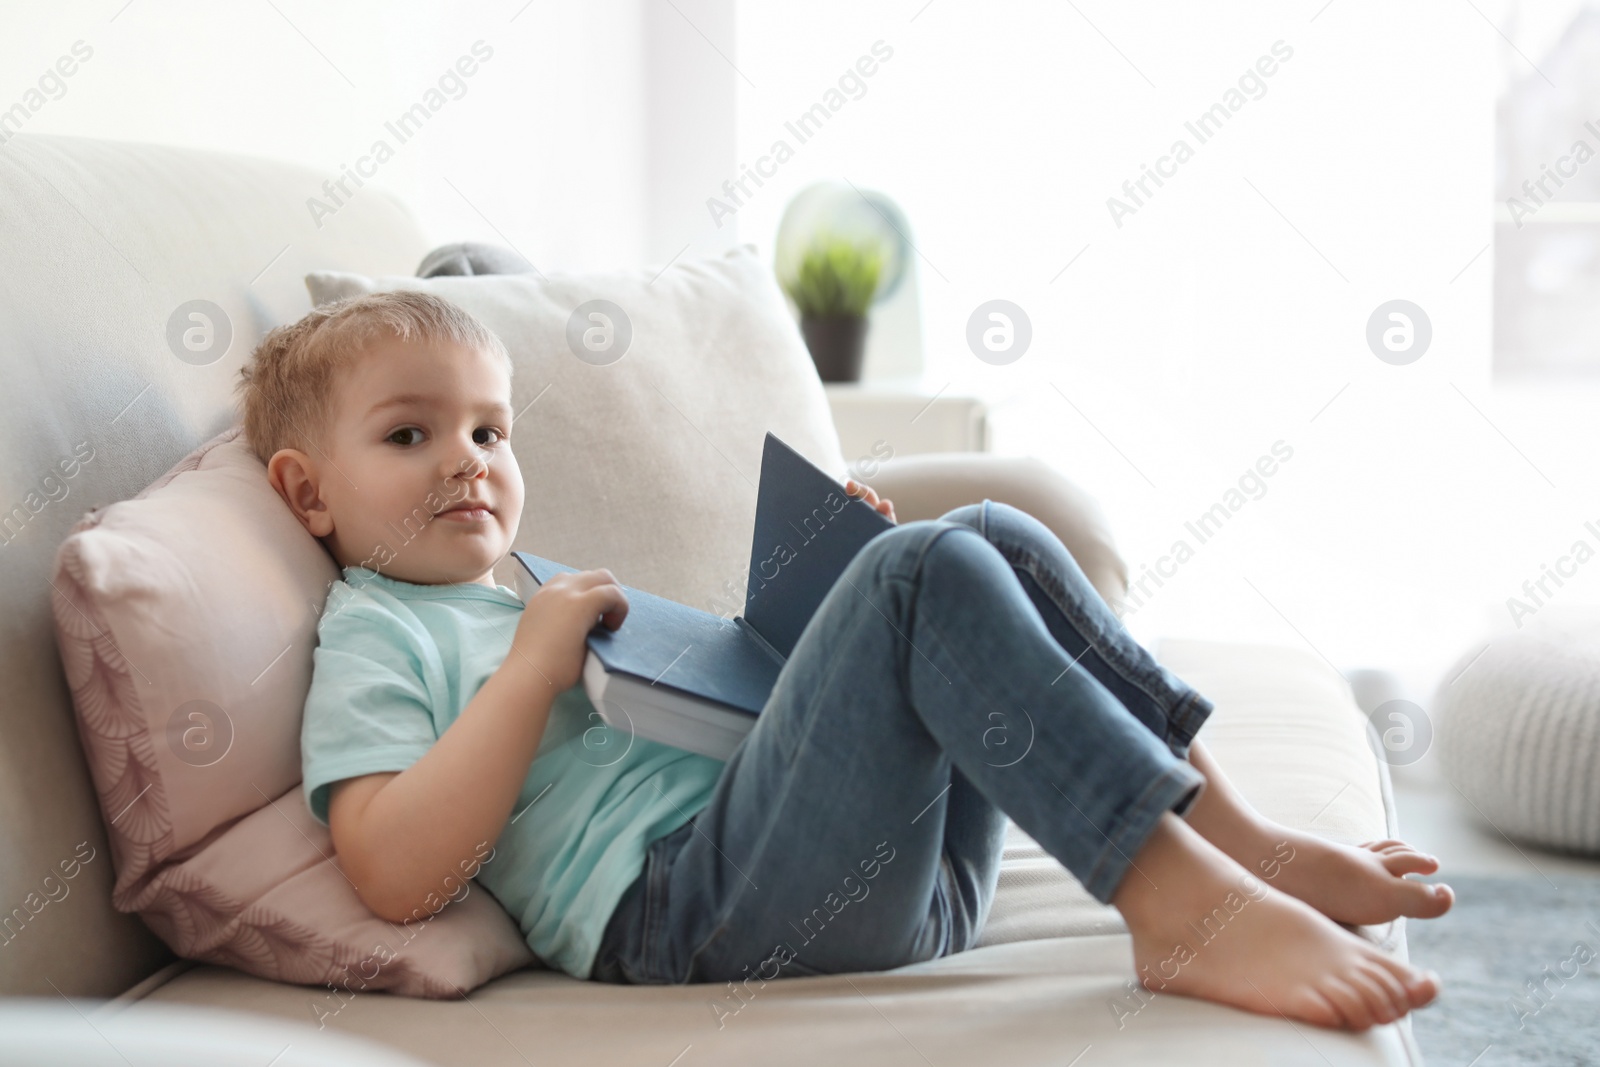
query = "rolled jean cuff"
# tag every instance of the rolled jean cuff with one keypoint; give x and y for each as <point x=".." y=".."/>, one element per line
<point x="1185" y="721"/>
<point x="1174" y="790"/>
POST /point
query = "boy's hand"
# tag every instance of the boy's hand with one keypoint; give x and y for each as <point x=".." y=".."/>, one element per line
<point x="557" y="619"/>
<point x="884" y="506"/>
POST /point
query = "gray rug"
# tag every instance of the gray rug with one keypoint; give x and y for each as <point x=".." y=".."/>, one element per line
<point x="1520" y="961"/>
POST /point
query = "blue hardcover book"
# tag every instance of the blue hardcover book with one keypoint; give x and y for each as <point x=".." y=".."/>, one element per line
<point x="685" y="677"/>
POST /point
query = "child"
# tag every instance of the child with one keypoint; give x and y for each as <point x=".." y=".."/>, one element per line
<point x="960" y="671"/>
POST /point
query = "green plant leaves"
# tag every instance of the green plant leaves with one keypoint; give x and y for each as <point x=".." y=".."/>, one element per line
<point x="837" y="276"/>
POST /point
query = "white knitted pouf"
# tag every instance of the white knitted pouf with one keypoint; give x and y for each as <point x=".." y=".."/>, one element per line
<point x="1518" y="730"/>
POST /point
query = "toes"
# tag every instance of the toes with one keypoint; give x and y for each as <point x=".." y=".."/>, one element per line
<point x="1375" y="993"/>
<point x="1393" y="991"/>
<point x="1420" y="986"/>
<point x="1404" y="861"/>
<point x="1392" y="847"/>
<point x="1428" y="900"/>
<point x="1424" y="988"/>
<point x="1445" y="895"/>
<point x="1352" y="1005"/>
<point x="1314" y="1007"/>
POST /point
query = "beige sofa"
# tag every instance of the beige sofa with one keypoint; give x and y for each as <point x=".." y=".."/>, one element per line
<point x="101" y="241"/>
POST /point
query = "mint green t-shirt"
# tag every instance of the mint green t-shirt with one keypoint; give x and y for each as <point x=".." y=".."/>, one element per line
<point x="397" y="662"/>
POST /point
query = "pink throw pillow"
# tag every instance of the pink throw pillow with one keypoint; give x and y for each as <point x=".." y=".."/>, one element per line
<point x="186" y="618"/>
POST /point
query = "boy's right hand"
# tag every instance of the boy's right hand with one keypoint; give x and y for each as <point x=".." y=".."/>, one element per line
<point x="558" y="617"/>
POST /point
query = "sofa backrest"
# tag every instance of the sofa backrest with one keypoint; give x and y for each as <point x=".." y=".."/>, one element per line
<point x="135" y="280"/>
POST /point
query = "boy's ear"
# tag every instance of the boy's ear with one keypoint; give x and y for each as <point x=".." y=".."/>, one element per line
<point x="293" y="475"/>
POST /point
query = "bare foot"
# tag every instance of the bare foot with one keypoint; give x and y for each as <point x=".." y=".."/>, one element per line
<point x="1205" y="927"/>
<point x="1361" y="885"/>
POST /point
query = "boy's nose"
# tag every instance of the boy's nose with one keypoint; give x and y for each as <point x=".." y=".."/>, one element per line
<point x="471" y="465"/>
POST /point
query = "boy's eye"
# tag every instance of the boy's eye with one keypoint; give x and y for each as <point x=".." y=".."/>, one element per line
<point x="483" y="435"/>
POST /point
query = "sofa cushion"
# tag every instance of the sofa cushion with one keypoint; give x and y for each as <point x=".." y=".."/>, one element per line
<point x="186" y="619"/>
<point x="643" y="398"/>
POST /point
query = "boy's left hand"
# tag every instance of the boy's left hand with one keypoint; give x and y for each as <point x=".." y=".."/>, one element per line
<point x="884" y="506"/>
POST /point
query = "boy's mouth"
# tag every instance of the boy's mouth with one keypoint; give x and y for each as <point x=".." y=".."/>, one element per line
<point x="467" y="511"/>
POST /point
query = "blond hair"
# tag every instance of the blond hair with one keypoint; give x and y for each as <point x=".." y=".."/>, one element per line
<point x="286" y="386"/>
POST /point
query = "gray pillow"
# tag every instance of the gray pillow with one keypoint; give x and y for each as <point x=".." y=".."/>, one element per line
<point x="470" y="257"/>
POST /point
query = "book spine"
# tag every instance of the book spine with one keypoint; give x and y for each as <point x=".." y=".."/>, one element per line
<point x="755" y="635"/>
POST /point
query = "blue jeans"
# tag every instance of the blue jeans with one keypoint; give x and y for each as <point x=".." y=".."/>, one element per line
<point x="960" y="670"/>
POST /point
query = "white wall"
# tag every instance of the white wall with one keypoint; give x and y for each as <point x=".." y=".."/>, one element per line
<point x="1229" y="311"/>
<point x="690" y="131"/>
<point x="548" y="148"/>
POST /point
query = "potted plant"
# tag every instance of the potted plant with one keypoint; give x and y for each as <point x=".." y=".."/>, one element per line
<point x="833" y="288"/>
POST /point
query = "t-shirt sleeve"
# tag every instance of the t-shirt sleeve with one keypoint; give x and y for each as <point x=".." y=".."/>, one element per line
<point x="368" y="709"/>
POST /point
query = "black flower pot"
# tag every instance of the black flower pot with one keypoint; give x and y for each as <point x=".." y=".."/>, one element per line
<point x="837" y="343"/>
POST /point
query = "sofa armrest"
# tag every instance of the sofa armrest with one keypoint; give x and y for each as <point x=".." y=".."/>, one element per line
<point x="927" y="485"/>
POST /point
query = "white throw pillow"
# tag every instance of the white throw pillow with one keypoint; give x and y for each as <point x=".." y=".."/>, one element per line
<point x="643" y="400"/>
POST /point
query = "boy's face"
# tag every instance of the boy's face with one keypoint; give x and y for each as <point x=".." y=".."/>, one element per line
<point x="419" y="431"/>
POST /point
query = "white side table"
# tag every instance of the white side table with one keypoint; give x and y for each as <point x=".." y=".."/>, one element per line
<point x="877" y="419"/>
